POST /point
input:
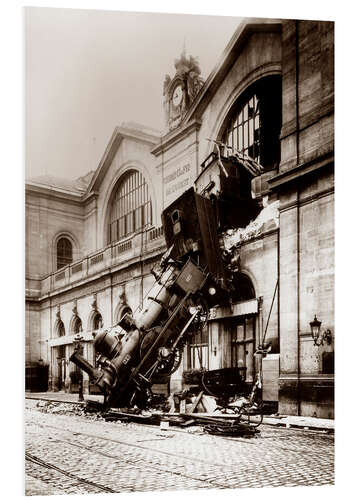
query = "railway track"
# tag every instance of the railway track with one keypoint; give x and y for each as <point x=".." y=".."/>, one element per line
<point x="46" y="465"/>
<point x="123" y="459"/>
<point x="75" y="455"/>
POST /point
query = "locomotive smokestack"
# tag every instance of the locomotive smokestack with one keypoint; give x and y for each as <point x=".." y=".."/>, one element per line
<point x="84" y="365"/>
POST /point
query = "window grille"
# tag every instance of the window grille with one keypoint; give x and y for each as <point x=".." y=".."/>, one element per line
<point x="131" y="207"/>
<point x="244" y="129"/>
<point x="254" y="123"/>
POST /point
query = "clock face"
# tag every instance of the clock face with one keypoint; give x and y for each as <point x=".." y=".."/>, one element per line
<point x="177" y="95"/>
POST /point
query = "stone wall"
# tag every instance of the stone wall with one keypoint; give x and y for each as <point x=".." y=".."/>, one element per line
<point x="47" y="218"/>
<point x="306" y="190"/>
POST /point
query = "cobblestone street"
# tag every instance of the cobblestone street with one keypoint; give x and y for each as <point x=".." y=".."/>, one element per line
<point x="72" y="454"/>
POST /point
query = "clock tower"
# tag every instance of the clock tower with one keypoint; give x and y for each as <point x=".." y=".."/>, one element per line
<point x="180" y="91"/>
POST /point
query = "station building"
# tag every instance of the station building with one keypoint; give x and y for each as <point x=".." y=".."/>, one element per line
<point x="91" y="243"/>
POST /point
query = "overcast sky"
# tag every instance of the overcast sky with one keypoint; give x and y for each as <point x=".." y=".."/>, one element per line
<point x="87" y="71"/>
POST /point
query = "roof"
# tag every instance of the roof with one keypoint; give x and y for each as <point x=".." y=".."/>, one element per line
<point x="78" y="185"/>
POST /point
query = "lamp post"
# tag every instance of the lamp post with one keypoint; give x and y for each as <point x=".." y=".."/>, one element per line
<point x="79" y="348"/>
<point x="317" y="337"/>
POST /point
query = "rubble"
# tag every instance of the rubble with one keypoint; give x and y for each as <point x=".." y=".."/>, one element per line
<point x="213" y="405"/>
<point x="67" y="409"/>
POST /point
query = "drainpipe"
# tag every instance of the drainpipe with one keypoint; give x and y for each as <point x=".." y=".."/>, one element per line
<point x="142" y="271"/>
<point x="111" y="301"/>
<point x="297" y="210"/>
<point x="260" y="322"/>
<point x="49" y="355"/>
<point x="162" y="177"/>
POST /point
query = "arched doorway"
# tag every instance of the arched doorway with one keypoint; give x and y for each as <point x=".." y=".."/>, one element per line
<point x="96" y="323"/>
<point x="60" y="357"/>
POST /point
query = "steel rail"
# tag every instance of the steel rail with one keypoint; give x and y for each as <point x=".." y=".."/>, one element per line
<point x="134" y="445"/>
<point x="43" y="463"/>
<point x="133" y="462"/>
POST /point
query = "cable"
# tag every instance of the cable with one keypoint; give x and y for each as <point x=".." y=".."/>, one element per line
<point x="271" y="307"/>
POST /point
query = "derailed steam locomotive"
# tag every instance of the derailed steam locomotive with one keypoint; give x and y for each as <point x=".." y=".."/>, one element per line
<point x="192" y="277"/>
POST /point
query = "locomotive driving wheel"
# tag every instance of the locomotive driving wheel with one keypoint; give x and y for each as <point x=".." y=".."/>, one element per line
<point x="164" y="360"/>
<point x="201" y="318"/>
<point x="168" y="360"/>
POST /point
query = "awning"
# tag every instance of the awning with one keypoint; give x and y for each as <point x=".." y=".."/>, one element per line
<point x="238" y="309"/>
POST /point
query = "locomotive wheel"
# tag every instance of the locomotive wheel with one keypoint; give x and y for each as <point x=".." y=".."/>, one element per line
<point x="168" y="364"/>
<point x="163" y="361"/>
<point x="200" y="321"/>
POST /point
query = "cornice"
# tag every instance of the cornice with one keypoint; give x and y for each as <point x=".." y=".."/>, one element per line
<point x="140" y="135"/>
<point x="293" y="174"/>
<point x="53" y="192"/>
<point x="89" y="196"/>
<point x="306" y="199"/>
<point x="175" y="136"/>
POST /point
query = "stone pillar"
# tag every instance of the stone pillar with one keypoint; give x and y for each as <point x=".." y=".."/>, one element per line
<point x="288" y="290"/>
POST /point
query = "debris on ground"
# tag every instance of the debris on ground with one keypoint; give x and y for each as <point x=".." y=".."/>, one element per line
<point x="190" y="409"/>
<point x="67" y="409"/>
<point x="231" y="429"/>
<point x="219" y="403"/>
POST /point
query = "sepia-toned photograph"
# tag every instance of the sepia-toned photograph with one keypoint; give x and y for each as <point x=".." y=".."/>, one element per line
<point x="180" y="252"/>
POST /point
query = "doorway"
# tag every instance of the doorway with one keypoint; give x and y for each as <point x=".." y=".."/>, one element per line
<point x="61" y="366"/>
<point x="243" y="345"/>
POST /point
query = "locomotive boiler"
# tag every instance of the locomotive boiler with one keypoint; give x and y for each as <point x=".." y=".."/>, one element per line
<point x="193" y="276"/>
<point x="153" y="338"/>
<point x="149" y="343"/>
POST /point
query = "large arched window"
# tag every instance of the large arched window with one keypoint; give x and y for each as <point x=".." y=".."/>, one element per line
<point x="254" y="123"/>
<point x="130" y="207"/>
<point x="64" y="252"/>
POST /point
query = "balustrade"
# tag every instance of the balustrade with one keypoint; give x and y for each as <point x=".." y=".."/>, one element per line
<point x="89" y="265"/>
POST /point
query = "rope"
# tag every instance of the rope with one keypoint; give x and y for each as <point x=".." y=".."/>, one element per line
<point x="271" y="307"/>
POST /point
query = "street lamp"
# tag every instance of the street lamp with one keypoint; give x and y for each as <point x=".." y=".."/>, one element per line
<point x="317" y="337"/>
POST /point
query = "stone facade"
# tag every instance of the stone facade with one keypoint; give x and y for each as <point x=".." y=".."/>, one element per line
<point x="290" y="265"/>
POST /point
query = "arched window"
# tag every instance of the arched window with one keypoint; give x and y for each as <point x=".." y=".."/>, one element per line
<point x="131" y="206"/>
<point x="64" y="252"/>
<point x="97" y="321"/>
<point x="60" y="329"/>
<point x="243" y="288"/>
<point x="77" y="325"/>
<point x="124" y="311"/>
<point x="253" y="125"/>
